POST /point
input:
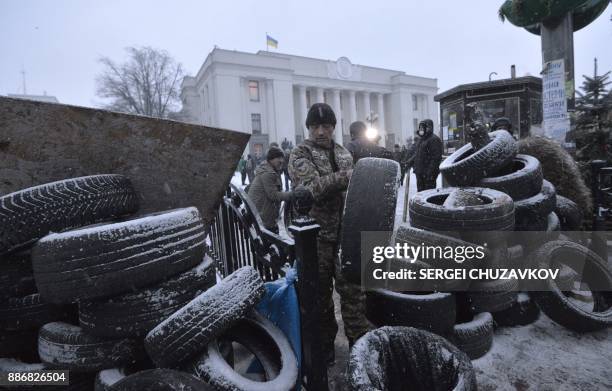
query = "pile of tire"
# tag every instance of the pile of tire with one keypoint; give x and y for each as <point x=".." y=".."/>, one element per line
<point x="472" y="212"/>
<point x="123" y="302"/>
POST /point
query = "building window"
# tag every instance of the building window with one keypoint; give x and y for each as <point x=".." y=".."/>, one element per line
<point x="308" y="104"/>
<point x="415" y="102"/>
<point x="415" y="122"/>
<point x="254" y="90"/>
<point x="256" y="123"/>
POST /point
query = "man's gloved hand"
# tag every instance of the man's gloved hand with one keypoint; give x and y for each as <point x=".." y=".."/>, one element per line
<point x="302" y="200"/>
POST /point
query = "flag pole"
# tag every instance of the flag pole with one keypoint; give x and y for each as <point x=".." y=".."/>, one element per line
<point x="267" y="45"/>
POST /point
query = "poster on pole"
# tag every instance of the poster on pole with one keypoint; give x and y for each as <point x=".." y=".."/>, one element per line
<point x="554" y="102"/>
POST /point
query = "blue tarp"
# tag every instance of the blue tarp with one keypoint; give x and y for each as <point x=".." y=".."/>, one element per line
<point x="280" y="306"/>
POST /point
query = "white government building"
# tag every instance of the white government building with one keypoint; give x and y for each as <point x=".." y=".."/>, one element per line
<point x="268" y="94"/>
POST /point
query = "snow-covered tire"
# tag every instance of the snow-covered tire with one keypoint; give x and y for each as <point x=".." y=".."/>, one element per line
<point x="65" y="346"/>
<point x="529" y="210"/>
<point x="398" y="358"/>
<point x="106" y="378"/>
<point x="267" y="342"/>
<point x="569" y="213"/>
<point x="107" y="260"/>
<point x="492" y="295"/>
<point x="28" y="313"/>
<point x="496" y="214"/>
<point x="161" y="380"/>
<point x="523" y="312"/>
<point x="556" y="305"/>
<point x="135" y="314"/>
<point x="190" y="329"/>
<point x="370" y="203"/>
<point x="30" y="214"/>
<point x="435" y="312"/>
<point x="475" y="336"/>
<point x="418" y="237"/>
<point x="522" y="178"/>
<point x="16" y="275"/>
<point x="467" y="166"/>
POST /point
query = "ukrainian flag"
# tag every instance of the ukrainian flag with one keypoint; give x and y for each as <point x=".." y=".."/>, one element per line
<point x="271" y="42"/>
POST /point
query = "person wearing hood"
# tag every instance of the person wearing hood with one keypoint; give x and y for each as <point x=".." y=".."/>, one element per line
<point x="360" y="146"/>
<point x="427" y="157"/>
<point x="266" y="189"/>
<point x="325" y="168"/>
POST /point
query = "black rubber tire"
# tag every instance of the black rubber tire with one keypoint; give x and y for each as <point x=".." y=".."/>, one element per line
<point x="135" y="314"/>
<point x="492" y="295"/>
<point x="190" y="329"/>
<point x="30" y="214"/>
<point x="107" y="377"/>
<point x="541" y="232"/>
<point x="556" y="305"/>
<point x="569" y="213"/>
<point x="466" y="167"/>
<point x="161" y="380"/>
<point x="370" y="204"/>
<point x="16" y="275"/>
<point x="521" y="179"/>
<point x="267" y="342"/>
<point x="427" y="211"/>
<point x="523" y="312"/>
<point x="418" y="237"/>
<point x="65" y="346"/>
<point x="434" y="312"/>
<point x="107" y="260"/>
<point x="28" y="313"/>
<point x="475" y="336"/>
<point x="400" y="358"/>
<point x="529" y="210"/>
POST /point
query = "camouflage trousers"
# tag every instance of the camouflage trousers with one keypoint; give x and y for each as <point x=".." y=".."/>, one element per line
<point x="352" y="299"/>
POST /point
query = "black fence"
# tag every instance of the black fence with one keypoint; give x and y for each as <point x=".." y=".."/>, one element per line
<point x="237" y="238"/>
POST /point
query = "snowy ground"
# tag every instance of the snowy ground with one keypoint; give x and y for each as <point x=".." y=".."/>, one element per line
<point x="542" y="356"/>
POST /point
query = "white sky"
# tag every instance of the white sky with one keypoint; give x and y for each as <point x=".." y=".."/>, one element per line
<point x="58" y="42"/>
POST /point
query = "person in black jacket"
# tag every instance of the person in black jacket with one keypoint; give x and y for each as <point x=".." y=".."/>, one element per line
<point x="427" y="157"/>
<point x="360" y="146"/>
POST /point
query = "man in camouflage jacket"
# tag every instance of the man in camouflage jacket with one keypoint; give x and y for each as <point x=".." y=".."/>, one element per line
<point x="325" y="168"/>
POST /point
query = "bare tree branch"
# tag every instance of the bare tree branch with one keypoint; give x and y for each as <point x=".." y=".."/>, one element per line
<point x="146" y="83"/>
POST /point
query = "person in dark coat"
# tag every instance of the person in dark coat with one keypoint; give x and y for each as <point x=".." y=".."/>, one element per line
<point x="250" y="166"/>
<point x="360" y="146"/>
<point x="427" y="157"/>
<point x="266" y="190"/>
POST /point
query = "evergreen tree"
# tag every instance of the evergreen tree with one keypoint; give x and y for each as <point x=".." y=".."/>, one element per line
<point x="593" y="118"/>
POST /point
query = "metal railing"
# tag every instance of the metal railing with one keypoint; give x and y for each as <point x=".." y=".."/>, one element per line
<point x="238" y="238"/>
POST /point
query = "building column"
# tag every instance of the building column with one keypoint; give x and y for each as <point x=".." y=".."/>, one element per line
<point x="352" y="106"/>
<point x="319" y="98"/>
<point x="367" y="107"/>
<point x="336" y="107"/>
<point x="303" y="112"/>
<point x="381" y="115"/>
<point x="268" y="124"/>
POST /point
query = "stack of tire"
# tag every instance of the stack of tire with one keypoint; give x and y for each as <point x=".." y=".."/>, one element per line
<point x="146" y="295"/>
<point x="479" y="209"/>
